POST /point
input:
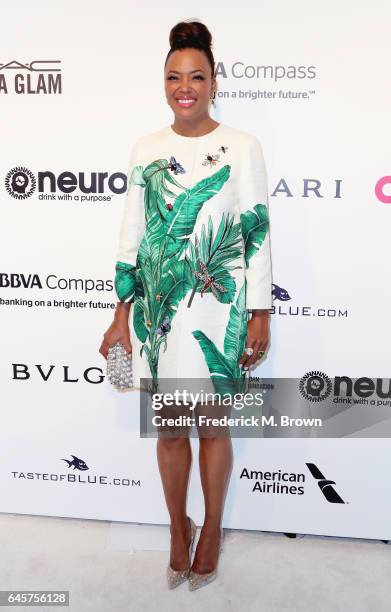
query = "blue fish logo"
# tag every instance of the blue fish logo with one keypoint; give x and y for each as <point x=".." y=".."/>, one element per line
<point x="279" y="293"/>
<point x="78" y="464"/>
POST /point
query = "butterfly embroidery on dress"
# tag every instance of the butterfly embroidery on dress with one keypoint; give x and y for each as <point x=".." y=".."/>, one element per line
<point x="175" y="166"/>
<point x="164" y="327"/>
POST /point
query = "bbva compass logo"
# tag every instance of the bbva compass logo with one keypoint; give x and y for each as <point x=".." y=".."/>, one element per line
<point x="20" y="182"/>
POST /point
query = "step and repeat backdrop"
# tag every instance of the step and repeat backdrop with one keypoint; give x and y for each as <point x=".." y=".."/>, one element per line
<point x="76" y="89"/>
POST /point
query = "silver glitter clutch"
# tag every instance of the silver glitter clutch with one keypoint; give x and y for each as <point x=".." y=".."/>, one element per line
<point x="119" y="367"/>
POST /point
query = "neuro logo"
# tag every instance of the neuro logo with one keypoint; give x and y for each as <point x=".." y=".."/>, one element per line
<point x="279" y="293"/>
<point x="76" y="463"/>
<point x="325" y="485"/>
<point x="20" y="183"/>
<point x="315" y="386"/>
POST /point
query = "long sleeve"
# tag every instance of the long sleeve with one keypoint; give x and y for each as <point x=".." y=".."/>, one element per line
<point x="131" y="230"/>
<point x="254" y="219"/>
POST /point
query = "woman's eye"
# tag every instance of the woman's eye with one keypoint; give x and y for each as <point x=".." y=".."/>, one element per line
<point x="198" y="76"/>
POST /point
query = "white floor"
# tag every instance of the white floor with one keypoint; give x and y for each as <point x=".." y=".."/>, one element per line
<point x="102" y="566"/>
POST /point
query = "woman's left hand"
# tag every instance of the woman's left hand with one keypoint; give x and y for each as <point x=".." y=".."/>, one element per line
<point x="257" y="337"/>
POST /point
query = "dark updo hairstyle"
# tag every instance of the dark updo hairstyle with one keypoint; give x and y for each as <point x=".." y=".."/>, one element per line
<point x="192" y="34"/>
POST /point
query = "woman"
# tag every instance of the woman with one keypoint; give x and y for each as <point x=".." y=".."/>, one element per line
<point x="194" y="259"/>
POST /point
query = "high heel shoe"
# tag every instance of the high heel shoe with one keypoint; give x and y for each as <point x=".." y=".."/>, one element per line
<point x="196" y="580"/>
<point x="176" y="577"/>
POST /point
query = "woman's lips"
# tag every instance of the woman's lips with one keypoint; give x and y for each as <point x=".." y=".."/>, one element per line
<point x="185" y="102"/>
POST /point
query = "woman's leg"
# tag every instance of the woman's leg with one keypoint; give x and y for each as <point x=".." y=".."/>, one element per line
<point x="174" y="460"/>
<point x="215" y="461"/>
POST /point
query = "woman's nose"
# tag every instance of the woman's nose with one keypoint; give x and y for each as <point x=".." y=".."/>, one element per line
<point x="185" y="84"/>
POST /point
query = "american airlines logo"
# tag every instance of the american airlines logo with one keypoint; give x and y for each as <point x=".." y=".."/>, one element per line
<point x="281" y="482"/>
<point x="325" y="485"/>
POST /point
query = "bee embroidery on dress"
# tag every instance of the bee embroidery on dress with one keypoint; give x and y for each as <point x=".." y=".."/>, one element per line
<point x="211" y="160"/>
<point x="223" y="149"/>
<point x="164" y="327"/>
<point x="209" y="281"/>
<point x="176" y="166"/>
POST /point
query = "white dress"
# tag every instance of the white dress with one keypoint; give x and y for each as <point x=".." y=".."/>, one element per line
<point x="194" y="252"/>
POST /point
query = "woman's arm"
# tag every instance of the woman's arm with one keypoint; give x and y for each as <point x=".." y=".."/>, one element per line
<point x="254" y="218"/>
<point x="131" y="231"/>
<point x="130" y="235"/>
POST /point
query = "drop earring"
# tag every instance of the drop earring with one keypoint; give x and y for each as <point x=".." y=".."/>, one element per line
<point x="213" y="99"/>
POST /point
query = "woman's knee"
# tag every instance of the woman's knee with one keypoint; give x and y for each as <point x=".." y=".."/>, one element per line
<point x="173" y="438"/>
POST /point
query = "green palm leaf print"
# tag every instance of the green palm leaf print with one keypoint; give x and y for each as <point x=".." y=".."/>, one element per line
<point x="162" y="278"/>
<point x="225" y="373"/>
<point x="236" y="332"/>
<point x="139" y="317"/>
<point x="216" y="252"/>
<point x="174" y="286"/>
<point x="136" y="177"/>
<point x="255" y="224"/>
<point x="181" y="219"/>
<point x="124" y="280"/>
<point x="217" y="363"/>
<point x="157" y="176"/>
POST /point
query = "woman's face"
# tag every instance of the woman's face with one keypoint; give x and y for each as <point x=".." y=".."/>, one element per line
<point x="188" y="84"/>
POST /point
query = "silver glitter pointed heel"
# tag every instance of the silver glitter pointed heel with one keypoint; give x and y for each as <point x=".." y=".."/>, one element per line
<point x="196" y="581"/>
<point x="176" y="577"/>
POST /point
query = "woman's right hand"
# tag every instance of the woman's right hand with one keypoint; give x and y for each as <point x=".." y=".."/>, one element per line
<point x="118" y="331"/>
